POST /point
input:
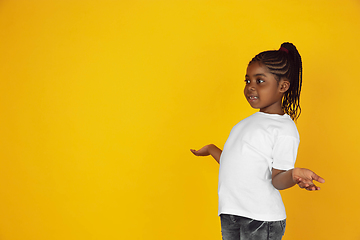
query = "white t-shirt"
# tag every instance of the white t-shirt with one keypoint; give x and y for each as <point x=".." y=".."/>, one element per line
<point x="255" y="146"/>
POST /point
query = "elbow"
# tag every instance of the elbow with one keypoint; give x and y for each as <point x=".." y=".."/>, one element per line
<point x="276" y="186"/>
<point x="279" y="188"/>
<point x="279" y="179"/>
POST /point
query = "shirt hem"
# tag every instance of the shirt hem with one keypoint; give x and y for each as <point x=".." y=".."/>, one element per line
<point x="258" y="217"/>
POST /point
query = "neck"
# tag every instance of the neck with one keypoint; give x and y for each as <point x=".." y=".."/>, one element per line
<point x="273" y="109"/>
<point x="272" y="112"/>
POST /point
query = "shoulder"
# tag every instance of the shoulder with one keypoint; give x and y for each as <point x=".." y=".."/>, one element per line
<point x="289" y="128"/>
<point x="280" y="125"/>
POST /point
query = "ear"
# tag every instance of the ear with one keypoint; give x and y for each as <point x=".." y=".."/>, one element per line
<point x="284" y="85"/>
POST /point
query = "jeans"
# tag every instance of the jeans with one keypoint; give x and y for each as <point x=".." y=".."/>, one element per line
<point x="236" y="227"/>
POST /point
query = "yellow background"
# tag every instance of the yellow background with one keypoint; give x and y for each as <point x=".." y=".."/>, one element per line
<point x="100" y="102"/>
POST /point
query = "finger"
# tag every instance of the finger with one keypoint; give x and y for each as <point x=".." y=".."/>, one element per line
<point x="317" y="178"/>
<point x="300" y="183"/>
<point x="193" y="151"/>
<point x="301" y="186"/>
<point x="306" y="186"/>
<point x="312" y="188"/>
<point x="304" y="183"/>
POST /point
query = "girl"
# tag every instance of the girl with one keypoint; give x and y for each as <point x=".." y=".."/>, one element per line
<point x="259" y="156"/>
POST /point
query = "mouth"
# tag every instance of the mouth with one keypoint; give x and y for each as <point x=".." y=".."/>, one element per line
<point x="252" y="98"/>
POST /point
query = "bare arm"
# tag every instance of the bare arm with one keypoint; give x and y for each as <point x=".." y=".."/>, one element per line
<point x="207" y="150"/>
<point x="303" y="177"/>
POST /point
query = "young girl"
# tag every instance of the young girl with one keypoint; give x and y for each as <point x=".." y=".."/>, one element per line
<point x="259" y="156"/>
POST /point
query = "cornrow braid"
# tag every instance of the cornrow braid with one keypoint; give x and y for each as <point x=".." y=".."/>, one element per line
<point x="285" y="63"/>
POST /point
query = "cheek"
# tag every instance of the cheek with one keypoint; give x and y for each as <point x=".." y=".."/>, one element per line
<point x="268" y="90"/>
<point x="245" y="90"/>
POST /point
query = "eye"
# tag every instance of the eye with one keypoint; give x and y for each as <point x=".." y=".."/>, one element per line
<point x="260" y="81"/>
<point x="247" y="81"/>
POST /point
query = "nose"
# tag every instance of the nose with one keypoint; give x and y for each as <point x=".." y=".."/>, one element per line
<point x="250" y="87"/>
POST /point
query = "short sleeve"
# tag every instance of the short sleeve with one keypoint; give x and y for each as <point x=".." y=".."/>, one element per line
<point x="285" y="152"/>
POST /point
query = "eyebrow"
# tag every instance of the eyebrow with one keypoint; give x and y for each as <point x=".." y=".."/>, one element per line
<point x="256" y="75"/>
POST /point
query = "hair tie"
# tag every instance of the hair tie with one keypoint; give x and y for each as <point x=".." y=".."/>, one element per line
<point x="284" y="50"/>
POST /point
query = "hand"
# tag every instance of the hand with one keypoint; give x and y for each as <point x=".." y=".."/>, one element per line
<point x="304" y="178"/>
<point x="204" y="151"/>
<point x="207" y="150"/>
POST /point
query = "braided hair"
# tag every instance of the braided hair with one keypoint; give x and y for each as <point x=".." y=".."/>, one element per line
<point x="285" y="63"/>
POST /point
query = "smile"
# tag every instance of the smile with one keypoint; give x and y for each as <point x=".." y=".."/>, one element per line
<point x="253" y="98"/>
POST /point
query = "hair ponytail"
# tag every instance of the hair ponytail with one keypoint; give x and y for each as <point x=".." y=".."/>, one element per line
<point x="285" y="63"/>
